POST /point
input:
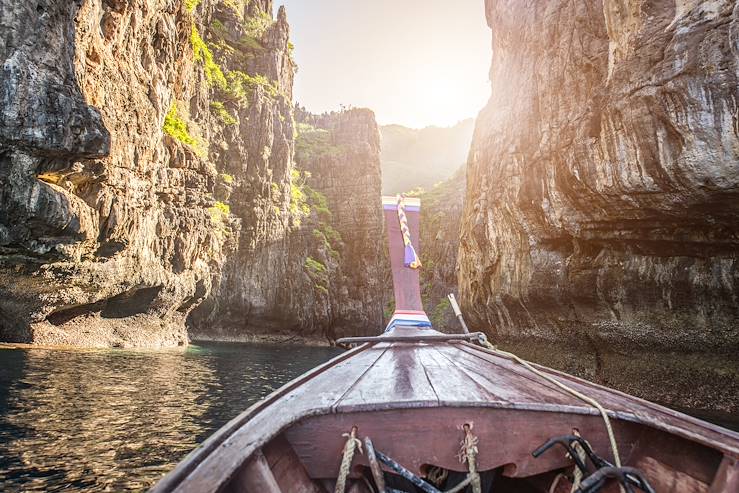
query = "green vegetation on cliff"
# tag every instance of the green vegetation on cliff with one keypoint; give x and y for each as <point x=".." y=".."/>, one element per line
<point x="329" y="238"/>
<point x="202" y="53"/>
<point x="236" y="6"/>
<point x="299" y="207"/>
<point x="256" y="26"/>
<point x="318" y="272"/>
<point x="319" y="203"/>
<point x="233" y="85"/>
<point x="304" y="201"/>
<point x="239" y="85"/>
<point x="191" y="5"/>
<point x="179" y="126"/>
<point x="219" y="109"/>
<point x="311" y="143"/>
<point x="219" y="212"/>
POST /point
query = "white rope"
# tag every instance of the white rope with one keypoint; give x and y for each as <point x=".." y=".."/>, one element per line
<point x="609" y="429"/>
<point x="468" y="453"/>
<point x="577" y="473"/>
<point x="352" y="443"/>
<point x="555" y="483"/>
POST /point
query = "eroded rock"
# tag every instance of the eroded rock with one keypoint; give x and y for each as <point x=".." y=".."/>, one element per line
<point x="106" y="233"/>
<point x="320" y="275"/>
<point x="602" y="182"/>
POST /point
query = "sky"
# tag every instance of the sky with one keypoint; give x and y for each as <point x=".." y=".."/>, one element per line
<point x="414" y="62"/>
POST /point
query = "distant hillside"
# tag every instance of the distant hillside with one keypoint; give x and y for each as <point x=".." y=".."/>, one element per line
<point x="414" y="158"/>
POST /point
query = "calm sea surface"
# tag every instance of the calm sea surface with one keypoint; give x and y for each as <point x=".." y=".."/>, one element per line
<point x="118" y="420"/>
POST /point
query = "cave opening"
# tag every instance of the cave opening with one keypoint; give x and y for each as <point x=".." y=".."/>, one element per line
<point x="126" y="304"/>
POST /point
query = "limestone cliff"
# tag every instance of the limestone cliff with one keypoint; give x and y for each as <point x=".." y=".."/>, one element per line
<point x="125" y="130"/>
<point x="254" y="106"/>
<point x="602" y="190"/>
<point x="323" y="278"/>
<point x="339" y="154"/>
<point x="441" y="220"/>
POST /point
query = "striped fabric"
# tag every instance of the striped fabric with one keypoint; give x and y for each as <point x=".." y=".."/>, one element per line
<point x="408" y="318"/>
<point x="412" y="204"/>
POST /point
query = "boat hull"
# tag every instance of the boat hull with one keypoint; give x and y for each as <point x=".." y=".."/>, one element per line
<point x="412" y="399"/>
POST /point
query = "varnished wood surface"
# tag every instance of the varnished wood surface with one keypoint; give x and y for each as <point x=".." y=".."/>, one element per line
<point x="432" y="436"/>
<point x="417" y="437"/>
<point x="627" y="407"/>
<point x="398" y="375"/>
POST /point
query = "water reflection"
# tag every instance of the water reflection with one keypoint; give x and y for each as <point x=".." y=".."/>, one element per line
<point x="118" y="420"/>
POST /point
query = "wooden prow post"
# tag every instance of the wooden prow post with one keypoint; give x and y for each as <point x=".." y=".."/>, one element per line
<point x="458" y="312"/>
<point x="406" y="278"/>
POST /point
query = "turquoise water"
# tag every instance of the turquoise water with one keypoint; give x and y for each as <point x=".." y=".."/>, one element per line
<point x="113" y="420"/>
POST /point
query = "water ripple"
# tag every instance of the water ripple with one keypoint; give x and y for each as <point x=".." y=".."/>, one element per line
<point x="119" y="420"/>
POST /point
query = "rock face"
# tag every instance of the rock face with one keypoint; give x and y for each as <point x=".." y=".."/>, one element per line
<point x="254" y="161"/>
<point x="441" y="220"/>
<point x="147" y="169"/>
<point x="340" y="155"/>
<point x="323" y="278"/>
<point x="118" y="130"/>
<point x="603" y="182"/>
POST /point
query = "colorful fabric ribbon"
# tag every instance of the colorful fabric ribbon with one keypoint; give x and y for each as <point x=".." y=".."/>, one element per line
<point x="408" y="318"/>
<point x="410" y="258"/>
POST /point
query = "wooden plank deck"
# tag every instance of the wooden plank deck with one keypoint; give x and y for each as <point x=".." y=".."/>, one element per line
<point x="396" y="378"/>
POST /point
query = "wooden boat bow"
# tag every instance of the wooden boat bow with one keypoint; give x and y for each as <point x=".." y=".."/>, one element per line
<point x="415" y="396"/>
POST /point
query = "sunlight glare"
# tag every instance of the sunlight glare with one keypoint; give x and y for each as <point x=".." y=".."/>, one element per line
<point x="416" y="63"/>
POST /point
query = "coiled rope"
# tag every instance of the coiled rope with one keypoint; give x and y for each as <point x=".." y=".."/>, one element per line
<point x="352" y="443"/>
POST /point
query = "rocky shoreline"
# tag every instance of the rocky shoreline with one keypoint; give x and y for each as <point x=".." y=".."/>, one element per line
<point x="690" y="380"/>
<point x="294" y="340"/>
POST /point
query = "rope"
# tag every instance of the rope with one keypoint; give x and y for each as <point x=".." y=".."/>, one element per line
<point x="468" y="454"/>
<point x="609" y="429"/>
<point x="555" y="483"/>
<point x="410" y="258"/>
<point x="577" y="473"/>
<point x="352" y="443"/>
<point x="437" y="476"/>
